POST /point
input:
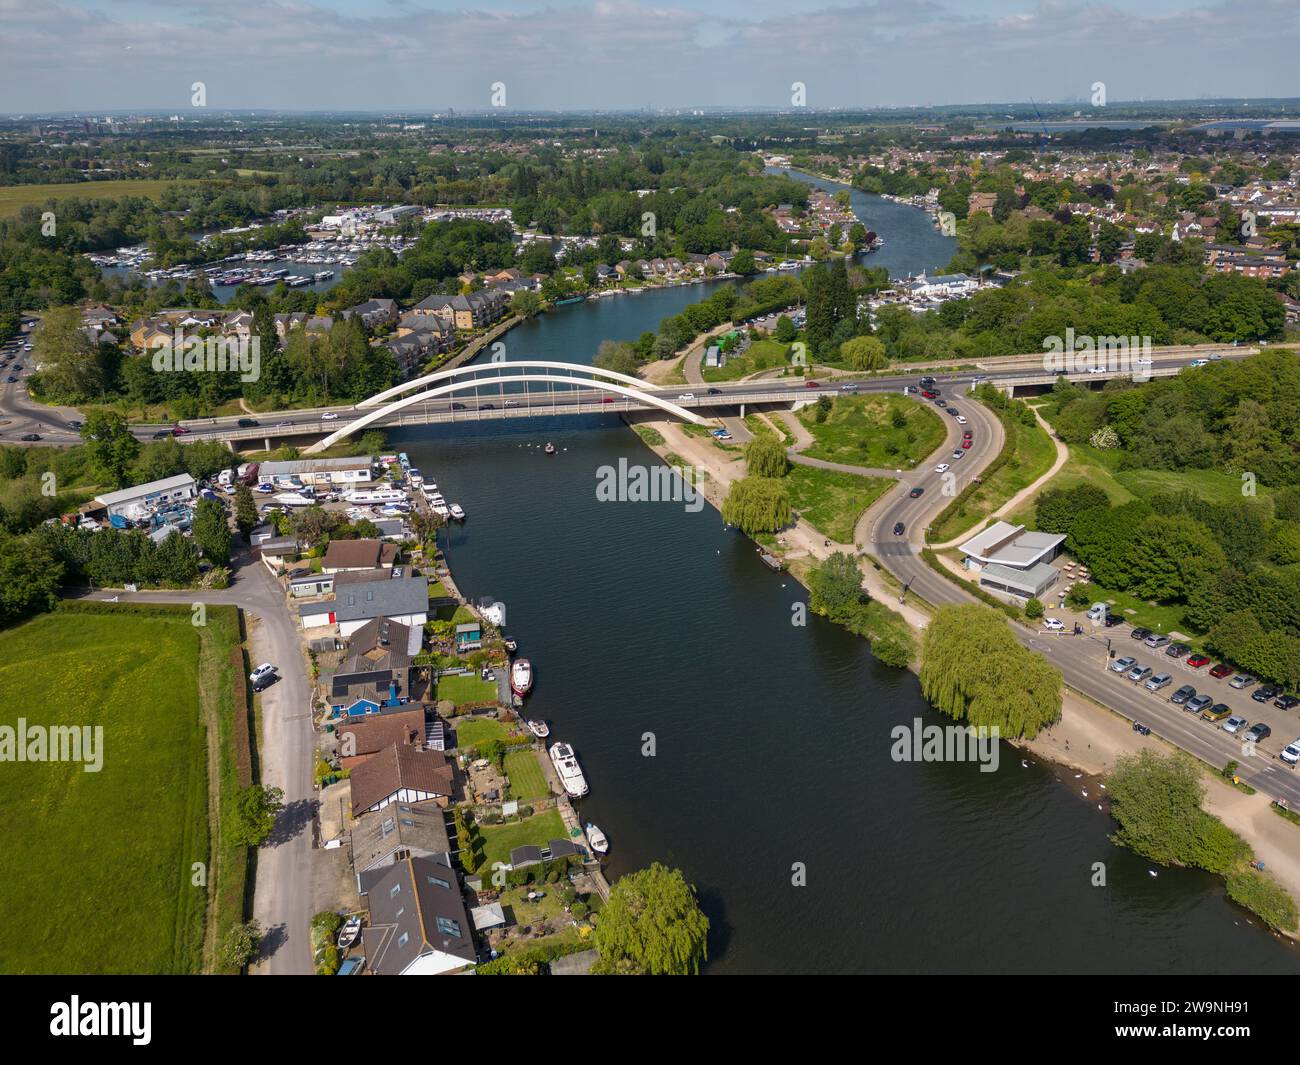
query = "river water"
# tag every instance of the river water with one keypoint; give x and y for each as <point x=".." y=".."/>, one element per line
<point x="772" y="740"/>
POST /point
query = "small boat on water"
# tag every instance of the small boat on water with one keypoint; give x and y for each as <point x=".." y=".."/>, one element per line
<point x="457" y="512"/>
<point x="566" y="765"/>
<point x="349" y="932"/>
<point x="549" y="448"/>
<point x="521" y="676"/>
<point x="540" y="729"/>
<point x="596" y="839"/>
<point x="512" y="645"/>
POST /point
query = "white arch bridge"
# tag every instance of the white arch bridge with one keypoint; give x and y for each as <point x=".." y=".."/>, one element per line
<point x="571" y="389"/>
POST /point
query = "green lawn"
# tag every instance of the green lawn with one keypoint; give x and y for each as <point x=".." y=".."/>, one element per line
<point x="1032" y="455"/>
<point x="1214" y="486"/>
<point x="470" y="688"/>
<point x="860" y="431"/>
<point x="832" y="501"/>
<point x="97" y="866"/>
<point x="13" y="198"/>
<point x="760" y="355"/>
<point x="527" y="781"/>
<point x="471" y="731"/>
<point x="1162" y="617"/>
<point x="500" y="840"/>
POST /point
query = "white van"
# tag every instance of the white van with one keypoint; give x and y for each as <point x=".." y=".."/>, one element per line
<point x="1097" y="612"/>
<point x="1291" y="753"/>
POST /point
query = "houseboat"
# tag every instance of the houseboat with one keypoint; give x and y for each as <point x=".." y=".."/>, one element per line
<point x="566" y="765"/>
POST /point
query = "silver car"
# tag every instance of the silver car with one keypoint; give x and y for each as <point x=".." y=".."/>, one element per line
<point x="1138" y="673"/>
<point x="1241" y="680"/>
<point x="1160" y="680"/>
<point x="1234" y="724"/>
<point x="1123" y="665"/>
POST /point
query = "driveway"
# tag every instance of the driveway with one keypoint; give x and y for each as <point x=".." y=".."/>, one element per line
<point x="282" y="897"/>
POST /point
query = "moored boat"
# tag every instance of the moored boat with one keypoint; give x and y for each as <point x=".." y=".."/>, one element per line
<point x="521" y="676"/>
<point x="538" y="728"/>
<point x="457" y="512"/>
<point x="566" y="765"/>
<point x="549" y="448"/>
<point x="596" y="839"/>
<point x="349" y="932"/>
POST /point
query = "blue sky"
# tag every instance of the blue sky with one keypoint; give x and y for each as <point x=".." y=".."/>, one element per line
<point x="99" y="55"/>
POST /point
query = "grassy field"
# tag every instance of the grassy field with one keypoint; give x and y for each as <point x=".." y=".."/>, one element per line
<point x="760" y="355"/>
<point x="500" y="840"/>
<point x="1032" y="455"/>
<point x="97" y="866"/>
<point x="526" y="778"/>
<point x="832" y="501"/>
<point x="467" y="689"/>
<point x="472" y="731"/>
<point x="13" y="198"/>
<point x="860" y="431"/>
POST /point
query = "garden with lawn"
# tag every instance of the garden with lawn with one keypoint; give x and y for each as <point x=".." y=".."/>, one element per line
<point x="527" y="781"/>
<point x="467" y="689"/>
<point x="98" y="867"/>
<point x="882" y="430"/>
<point x="499" y="840"/>
<point x="760" y="355"/>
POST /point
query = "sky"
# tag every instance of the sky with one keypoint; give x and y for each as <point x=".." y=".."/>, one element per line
<point x="424" y="55"/>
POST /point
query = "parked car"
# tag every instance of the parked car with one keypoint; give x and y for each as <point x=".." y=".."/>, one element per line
<point x="1259" y="731"/>
<point x="1197" y="703"/>
<point x="1140" y="634"/>
<point x="1220" y="671"/>
<point x="1160" y="680"/>
<point x="1197" y="661"/>
<point x="1138" y="672"/>
<point x="1156" y="640"/>
<point x="1265" y="693"/>
<point x="1111" y="620"/>
<point x="1053" y="625"/>
<point x="1123" y="665"/>
<point x="1241" y="680"/>
<point x="1234" y="724"/>
<point x="264" y="670"/>
<point x="1286" y="702"/>
<point x="1182" y="695"/>
<point x="1177" y="650"/>
<point x="1217" y="712"/>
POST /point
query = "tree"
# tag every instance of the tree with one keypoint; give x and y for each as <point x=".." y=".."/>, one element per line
<point x="29" y="577"/>
<point x="757" y="504"/>
<point x="743" y="263"/>
<point x="765" y="456"/>
<point x="111" y="445"/>
<point x="616" y="355"/>
<point x="256" y="808"/>
<point x="240" y="945"/>
<point x="211" y="531"/>
<point x="245" y="510"/>
<point x="785" y="330"/>
<point x="1034" y="608"/>
<point x="864" y="353"/>
<point x="68" y="358"/>
<point x="974" y="669"/>
<point x="652" y="925"/>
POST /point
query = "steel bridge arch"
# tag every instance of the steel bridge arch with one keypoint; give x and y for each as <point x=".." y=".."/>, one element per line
<point x="379" y="413"/>
<point x="380" y="398"/>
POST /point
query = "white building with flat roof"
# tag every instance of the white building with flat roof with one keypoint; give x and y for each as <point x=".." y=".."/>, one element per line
<point x="337" y="471"/>
<point x="136" y="502"/>
<point x="1012" y="560"/>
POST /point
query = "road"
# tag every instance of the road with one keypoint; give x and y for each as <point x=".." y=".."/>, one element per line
<point x="1082" y="660"/>
<point x="282" y="899"/>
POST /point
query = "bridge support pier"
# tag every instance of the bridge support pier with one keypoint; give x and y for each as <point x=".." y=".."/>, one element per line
<point x="742" y="410"/>
<point x="266" y="444"/>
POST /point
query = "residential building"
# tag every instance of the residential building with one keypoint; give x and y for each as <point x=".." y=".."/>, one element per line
<point x="398" y="596"/>
<point x="418" y="924"/>
<point x="343" y="555"/>
<point x="138" y="501"/>
<point x="401" y="773"/>
<point x="339" y="472"/>
<point x="382" y="839"/>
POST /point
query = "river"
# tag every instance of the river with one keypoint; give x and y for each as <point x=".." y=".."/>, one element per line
<point x="772" y="740"/>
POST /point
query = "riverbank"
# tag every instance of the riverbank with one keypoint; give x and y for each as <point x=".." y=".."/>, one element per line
<point x="1088" y="738"/>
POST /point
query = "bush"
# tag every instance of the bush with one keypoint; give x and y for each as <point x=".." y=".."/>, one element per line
<point x="1034" y="608"/>
<point x="1264" y="897"/>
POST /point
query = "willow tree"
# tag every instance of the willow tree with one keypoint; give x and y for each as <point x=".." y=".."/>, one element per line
<point x="757" y="504"/>
<point x="765" y="456"/>
<point x="974" y="669"/>
<point x="652" y="925"/>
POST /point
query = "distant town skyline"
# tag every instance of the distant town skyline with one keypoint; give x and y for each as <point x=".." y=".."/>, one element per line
<point x="95" y="56"/>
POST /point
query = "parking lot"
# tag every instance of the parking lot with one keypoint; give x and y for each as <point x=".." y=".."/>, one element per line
<point x="1284" y="724"/>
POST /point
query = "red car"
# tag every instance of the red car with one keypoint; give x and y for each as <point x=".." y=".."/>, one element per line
<point x="1196" y="661"/>
<point x="811" y="384"/>
<point x="1220" y="671"/>
<point x="965" y="443"/>
<point x="928" y="394"/>
<point x="179" y="430"/>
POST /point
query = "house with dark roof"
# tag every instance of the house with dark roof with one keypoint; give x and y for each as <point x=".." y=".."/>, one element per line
<point x="402" y="598"/>
<point x="374" y="313"/>
<point x="418" y="924"/>
<point x="343" y="555"/>
<point x="401" y="773"/>
<point x="377" y="666"/>
<point x="362" y="737"/>
<point x="384" y="838"/>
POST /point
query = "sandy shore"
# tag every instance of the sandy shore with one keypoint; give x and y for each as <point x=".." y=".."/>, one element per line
<point x="1088" y="738"/>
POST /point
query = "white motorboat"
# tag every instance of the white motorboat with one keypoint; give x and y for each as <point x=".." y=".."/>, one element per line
<point x="457" y="512"/>
<point x="566" y="765"/>
<point x="540" y="729"/>
<point x="521" y="676"/>
<point x="596" y="839"/>
<point x="349" y="932"/>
